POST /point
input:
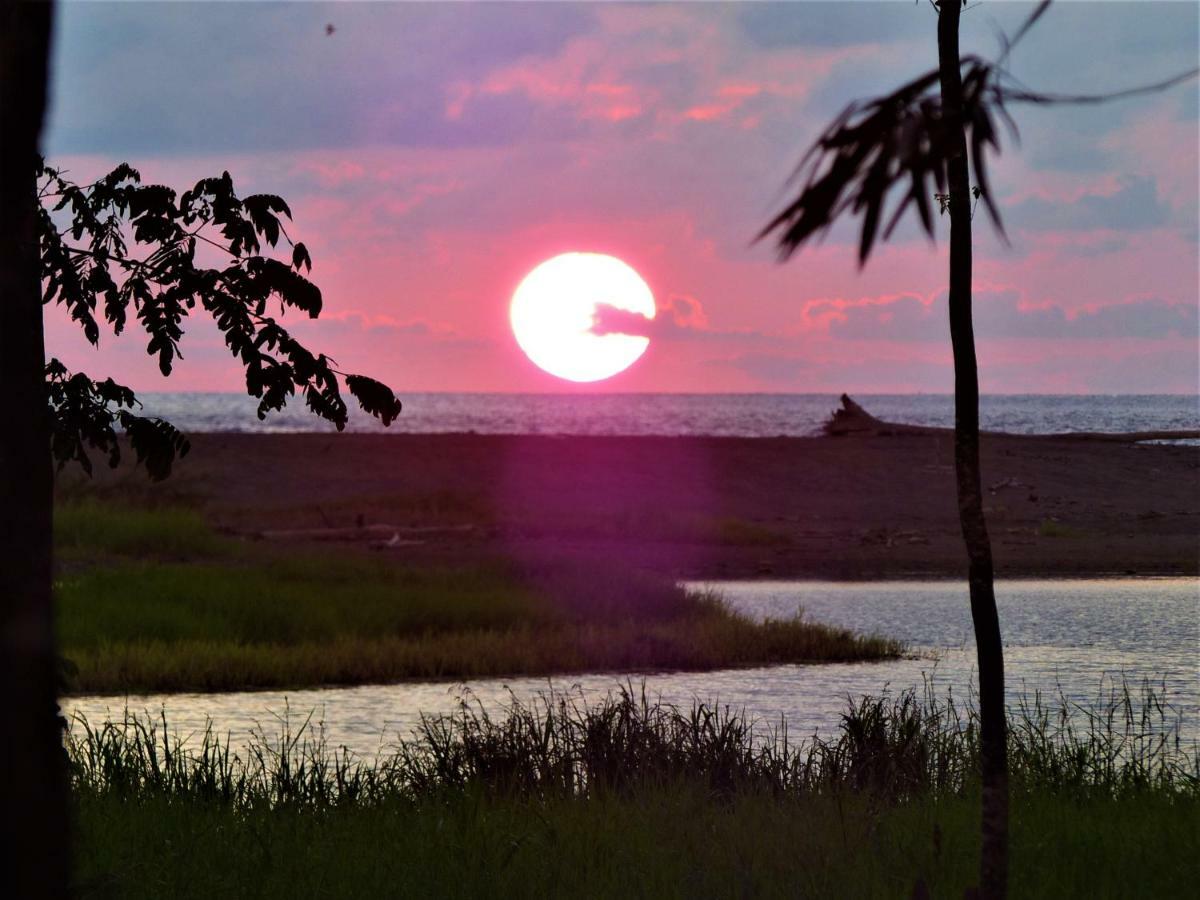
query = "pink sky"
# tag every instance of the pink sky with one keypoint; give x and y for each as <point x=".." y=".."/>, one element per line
<point x="433" y="154"/>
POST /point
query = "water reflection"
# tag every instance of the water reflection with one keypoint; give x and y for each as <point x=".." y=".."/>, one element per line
<point x="1077" y="637"/>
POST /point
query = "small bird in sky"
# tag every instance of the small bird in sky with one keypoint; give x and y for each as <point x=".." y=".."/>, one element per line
<point x="329" y="29"/>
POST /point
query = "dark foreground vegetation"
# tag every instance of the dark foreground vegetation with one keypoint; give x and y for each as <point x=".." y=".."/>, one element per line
<point x="152" y="599"/>
<point x="630" y="798"/>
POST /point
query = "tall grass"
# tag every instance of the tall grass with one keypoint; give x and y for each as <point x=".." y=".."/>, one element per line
<point x="629" y="797"/>
<point x="151" y="599"/>
<point x="892" y="749"/>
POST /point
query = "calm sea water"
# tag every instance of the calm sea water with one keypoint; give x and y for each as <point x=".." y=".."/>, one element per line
<point x="1079" y="638"/>
<point x="747" y="415"/>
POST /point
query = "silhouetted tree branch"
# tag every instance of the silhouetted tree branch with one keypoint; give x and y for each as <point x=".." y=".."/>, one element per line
<point x="90" y="238"/>
<point x="903" y="140"/>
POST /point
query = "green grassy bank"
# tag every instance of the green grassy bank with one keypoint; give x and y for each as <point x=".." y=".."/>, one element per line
<point x="631" y="799"/>
<point x="151" y="599"/>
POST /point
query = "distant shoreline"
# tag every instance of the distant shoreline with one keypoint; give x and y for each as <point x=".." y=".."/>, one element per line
<point x="698" y="415"/>
<point x="574" y="390"/>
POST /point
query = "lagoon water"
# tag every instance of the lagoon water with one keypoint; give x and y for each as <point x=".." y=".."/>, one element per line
<point x="1079" y="638"/>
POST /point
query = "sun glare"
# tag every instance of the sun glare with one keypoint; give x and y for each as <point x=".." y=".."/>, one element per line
<point x="554" y="310"/>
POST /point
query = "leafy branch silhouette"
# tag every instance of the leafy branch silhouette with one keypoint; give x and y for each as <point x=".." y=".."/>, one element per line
<point x="902" y="140"/>
<point x="89" y="266"/>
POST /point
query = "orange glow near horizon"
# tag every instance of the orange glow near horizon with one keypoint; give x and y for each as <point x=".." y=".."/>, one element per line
<point x="553" y="315"/>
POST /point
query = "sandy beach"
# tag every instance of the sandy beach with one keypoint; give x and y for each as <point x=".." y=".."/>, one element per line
<point x="851" y="507"/>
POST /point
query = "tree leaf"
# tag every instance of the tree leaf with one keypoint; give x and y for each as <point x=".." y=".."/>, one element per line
<point x="300" y="257"/>
<point x="156" y="198"/>
<point x="873" y="146"/>
<point x="293" y="288"/>
<point x="374" y="397"/>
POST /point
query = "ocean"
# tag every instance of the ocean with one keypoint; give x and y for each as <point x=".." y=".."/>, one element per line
<point x="743" y="415"/>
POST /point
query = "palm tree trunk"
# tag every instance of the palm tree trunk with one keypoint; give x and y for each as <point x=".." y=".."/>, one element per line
<point x="993" y="868"/>
<point x="33" y="786"/>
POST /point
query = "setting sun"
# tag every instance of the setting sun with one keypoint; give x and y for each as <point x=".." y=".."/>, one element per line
<point x="554" y="315"/>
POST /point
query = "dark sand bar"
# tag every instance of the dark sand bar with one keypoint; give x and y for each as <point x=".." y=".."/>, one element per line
<point x="863" y="505"/>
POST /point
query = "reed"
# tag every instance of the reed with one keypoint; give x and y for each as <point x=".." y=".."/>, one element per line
<point x="628" y="797"/>
<point x="892" y="749"/>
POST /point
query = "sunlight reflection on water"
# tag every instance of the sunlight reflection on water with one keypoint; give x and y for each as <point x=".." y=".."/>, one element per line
<point x="1080" y="637"/>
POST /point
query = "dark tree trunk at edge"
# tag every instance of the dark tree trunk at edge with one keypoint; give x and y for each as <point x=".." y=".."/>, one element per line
<point x="993" y="869"/>
<point x="33" y="785"/>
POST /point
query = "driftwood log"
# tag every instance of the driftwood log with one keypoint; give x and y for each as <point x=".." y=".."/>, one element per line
<point x="852" y="419"/>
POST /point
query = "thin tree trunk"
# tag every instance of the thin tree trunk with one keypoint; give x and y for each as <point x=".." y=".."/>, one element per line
<point x="33" y="789"/>
<point x="993" y="868"/>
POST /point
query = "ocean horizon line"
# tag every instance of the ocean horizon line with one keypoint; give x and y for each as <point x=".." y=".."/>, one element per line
<point x="400" y="392"/>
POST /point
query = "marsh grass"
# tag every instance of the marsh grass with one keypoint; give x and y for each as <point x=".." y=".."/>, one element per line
<point x="893" y="749"/>
<point x="631" y="797"/>
<point x="89" y="528"/>
<point x="725" y="641"/>
<point x="151" y="599"/>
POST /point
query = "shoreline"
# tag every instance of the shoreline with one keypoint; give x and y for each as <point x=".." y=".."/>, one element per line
<point x="616" y="673"/>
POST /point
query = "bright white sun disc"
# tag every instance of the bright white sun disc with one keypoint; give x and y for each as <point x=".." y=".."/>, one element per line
<point x="554" y="309"/>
